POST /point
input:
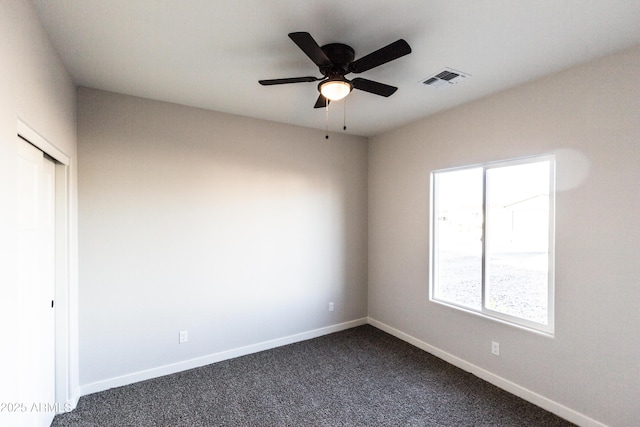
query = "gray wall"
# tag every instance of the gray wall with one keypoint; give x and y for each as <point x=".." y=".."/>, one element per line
<point x="35" y="88"/>
<point x="590" y="117"/>
<point x="240" y="231"/>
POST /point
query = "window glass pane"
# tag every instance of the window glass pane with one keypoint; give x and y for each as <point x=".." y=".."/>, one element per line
<point x="517" y="246"/>
<point x="458" y="234"/>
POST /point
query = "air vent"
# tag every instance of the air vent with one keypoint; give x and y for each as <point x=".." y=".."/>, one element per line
<point x="445" y="78"/>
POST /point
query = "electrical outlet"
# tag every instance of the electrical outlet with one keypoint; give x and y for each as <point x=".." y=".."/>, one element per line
<point x="184" y="337"/>
<point x="495" y="348"/>
<point x="330" y="306"/>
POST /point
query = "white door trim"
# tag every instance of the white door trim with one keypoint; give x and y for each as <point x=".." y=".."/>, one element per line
<point x="34" y="138"/>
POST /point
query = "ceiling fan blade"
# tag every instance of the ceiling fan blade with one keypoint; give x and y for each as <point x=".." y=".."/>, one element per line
<point x="311" y="48"/>
<point x="288" y="80"/>
<point x="373" y="87"/>
<point x="322" y="102"/>
<point x="381" y="56"/>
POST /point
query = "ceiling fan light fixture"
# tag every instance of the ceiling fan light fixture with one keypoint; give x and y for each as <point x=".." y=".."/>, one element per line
<point x="335" y="90"/>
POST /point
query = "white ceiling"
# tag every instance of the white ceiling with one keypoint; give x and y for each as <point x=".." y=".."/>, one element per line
<point x="211" y="53"/>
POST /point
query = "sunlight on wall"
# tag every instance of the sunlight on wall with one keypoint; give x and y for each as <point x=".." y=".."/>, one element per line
<point x="572" y="169"/>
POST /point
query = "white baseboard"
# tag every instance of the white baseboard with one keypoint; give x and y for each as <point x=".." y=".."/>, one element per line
<point x="69" y="405"/>
<point x="513" y="388"/>
<point x="213" y="358"/>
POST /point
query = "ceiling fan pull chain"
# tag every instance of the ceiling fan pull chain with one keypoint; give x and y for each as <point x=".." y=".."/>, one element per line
<point x="326" y="120"/>
<point x="344" y="118"/>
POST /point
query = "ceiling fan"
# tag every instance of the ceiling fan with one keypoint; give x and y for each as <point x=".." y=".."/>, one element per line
<point x="335" y="60"/>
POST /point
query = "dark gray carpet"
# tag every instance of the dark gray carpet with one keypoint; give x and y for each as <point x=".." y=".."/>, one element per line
<point x="358" y="377"/>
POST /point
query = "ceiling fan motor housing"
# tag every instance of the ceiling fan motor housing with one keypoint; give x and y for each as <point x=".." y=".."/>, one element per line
<point x="341" y="56"/>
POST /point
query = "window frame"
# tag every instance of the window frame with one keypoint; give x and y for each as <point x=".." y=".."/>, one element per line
<point x="547" y="328"/>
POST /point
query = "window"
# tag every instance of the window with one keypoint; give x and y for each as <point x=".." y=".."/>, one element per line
<point x="492" y="240"/>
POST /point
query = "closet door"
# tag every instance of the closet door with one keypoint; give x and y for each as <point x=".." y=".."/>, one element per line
<point x="36" y="257"/>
